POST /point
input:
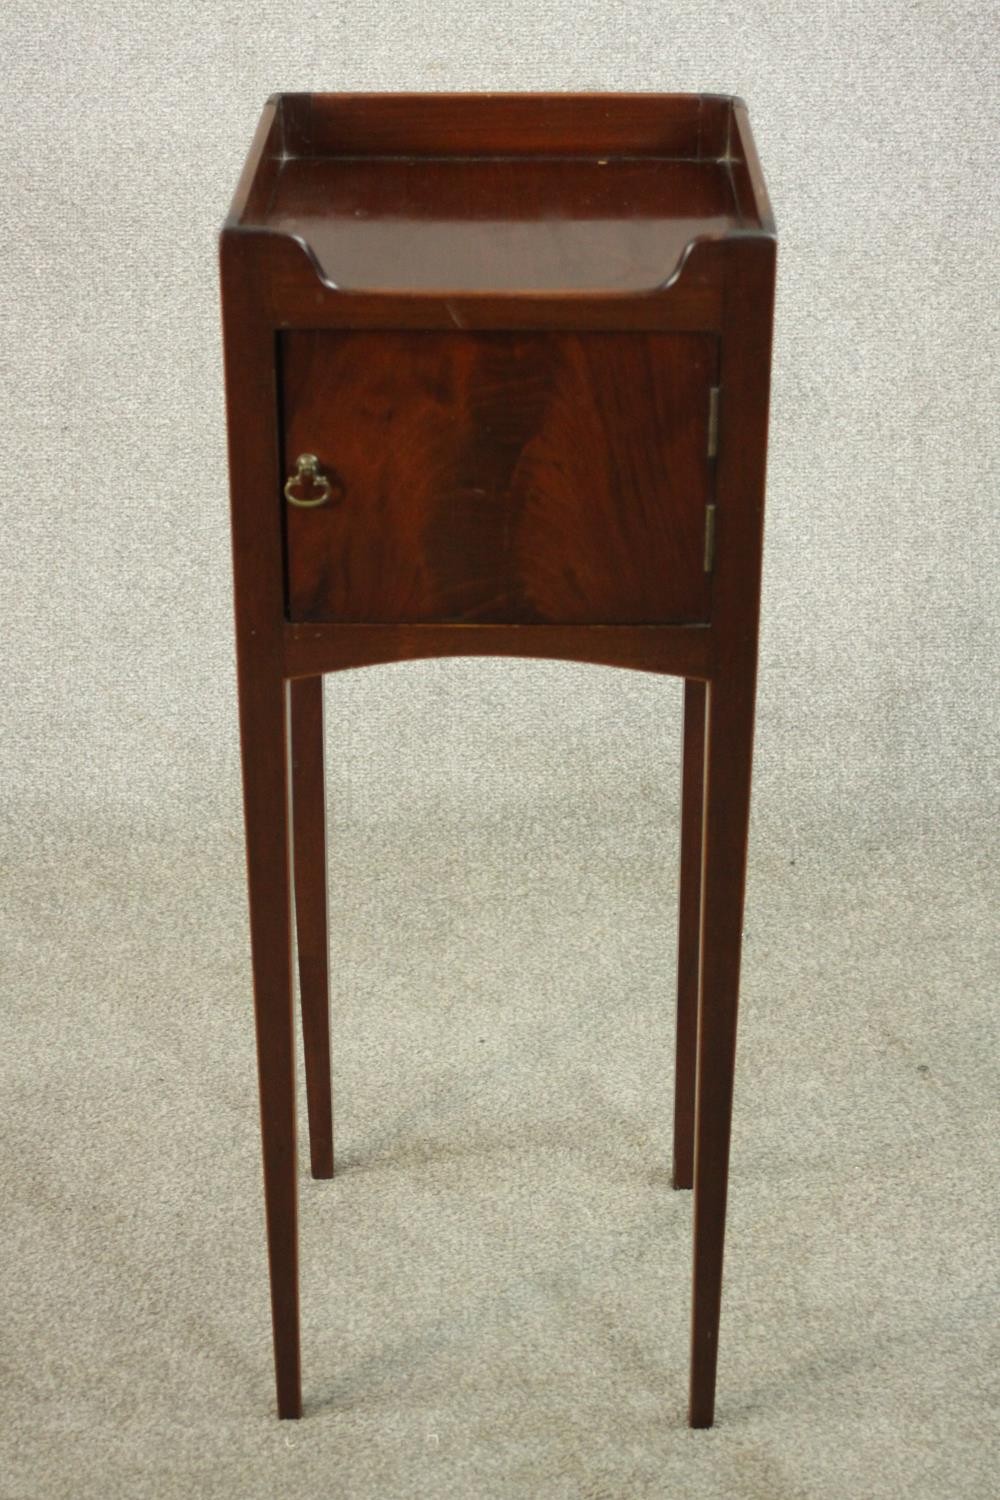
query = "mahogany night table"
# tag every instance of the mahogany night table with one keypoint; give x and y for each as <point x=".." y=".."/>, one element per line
<point x="497" y="375"/>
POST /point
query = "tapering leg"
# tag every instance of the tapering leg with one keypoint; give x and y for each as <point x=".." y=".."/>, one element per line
<point x="727" y="808"/>
<point x="309" y="844"/>
<point x="689" y="930"/>
<point x="265" y="793"/>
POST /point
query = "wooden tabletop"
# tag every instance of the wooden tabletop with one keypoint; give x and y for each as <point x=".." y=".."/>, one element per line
<point x="500" y="194"/>
<point x="495" y="223"/>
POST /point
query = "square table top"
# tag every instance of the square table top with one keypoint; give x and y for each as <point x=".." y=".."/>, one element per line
<point x="582" y="193"/>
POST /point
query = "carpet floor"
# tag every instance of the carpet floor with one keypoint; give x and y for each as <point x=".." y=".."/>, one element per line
<point x="496" y="1283"/>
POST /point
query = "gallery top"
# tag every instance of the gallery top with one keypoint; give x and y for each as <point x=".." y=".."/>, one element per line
<point x="502" y="193"/>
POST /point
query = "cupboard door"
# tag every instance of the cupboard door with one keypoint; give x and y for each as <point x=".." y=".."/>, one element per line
<point x="499" y="477"/>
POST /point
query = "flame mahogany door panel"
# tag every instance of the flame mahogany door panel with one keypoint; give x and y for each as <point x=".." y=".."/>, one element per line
<point x="500" y="477"/>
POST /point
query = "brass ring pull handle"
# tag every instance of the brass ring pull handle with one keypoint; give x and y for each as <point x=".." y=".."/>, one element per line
<point x="308" y="475"/>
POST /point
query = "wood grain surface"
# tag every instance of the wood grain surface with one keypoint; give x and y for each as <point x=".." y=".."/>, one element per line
<point x="507" y="478"/>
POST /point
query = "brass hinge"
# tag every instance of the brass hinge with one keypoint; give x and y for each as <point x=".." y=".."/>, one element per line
<point x="713" y="449"/>
<point x="713" y="421"/>
<point x="709" y="538"/>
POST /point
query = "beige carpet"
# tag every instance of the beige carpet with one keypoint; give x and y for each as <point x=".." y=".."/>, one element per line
<point x="495" y="1287"/>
